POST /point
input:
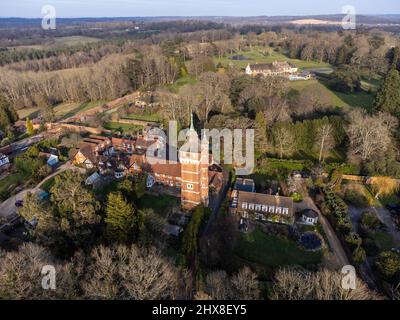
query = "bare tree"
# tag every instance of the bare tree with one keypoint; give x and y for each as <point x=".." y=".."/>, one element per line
<point x="102" y="274"/>
<point x="21" y="278"/>
<point x="146" y="274"/>
<point x="218" y="285"/>
<point x="283" y="140"/>
<point x="369" y="135"/>
<point x="245" y="285"/>
<point x="212" y="89"/>
<point x="325" y="139"/>
<point x="301" y="284"/>
<point x="130" y="273"/>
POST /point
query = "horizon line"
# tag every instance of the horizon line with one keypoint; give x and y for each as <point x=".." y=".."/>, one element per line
<point x="203" y="16"/>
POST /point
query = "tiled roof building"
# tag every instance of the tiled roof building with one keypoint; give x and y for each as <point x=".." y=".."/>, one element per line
<point x="190" y="173"/>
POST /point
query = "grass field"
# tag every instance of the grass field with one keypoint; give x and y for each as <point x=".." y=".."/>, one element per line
<point x="73" y="41"/>
<point x="337" y="99"/>
<point x="180" y="83"/>
<point x="12" y="180"/>
<point x="66" y="110"/>
<point x="272" y="251"/>
<point x="121" y="127"/>
<point x="160" y="204"/>
<point x="152" y="117"/>
<point x="262" y="55"/>
<point x="383" y="240"/>
<point x="28" y="112"/>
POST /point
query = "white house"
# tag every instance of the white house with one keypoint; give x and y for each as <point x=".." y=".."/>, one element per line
<point x="52" y="160"/>
<point x="271" y="69"/>
<point x="309" y="217"/>
<point x="93" y="179"/>
<point x="4" y="161"/>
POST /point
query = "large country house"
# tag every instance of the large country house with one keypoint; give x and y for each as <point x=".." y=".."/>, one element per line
<point x="271" y="69"/>
<point x="192" y="173"/>
<point x="248" y="204"/>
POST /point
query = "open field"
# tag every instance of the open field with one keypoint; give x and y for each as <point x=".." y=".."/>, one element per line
<point x="121" y="127"/>
<point x="314" y="22"/>
<point x="151" y="117"/>
<point x="180" y="83"/>
<point x="273" y="251"/>
<point x="263" y="55"/>
<point x="66" y="110"/>
<point x="28" y="112"/>
<point x="338" y="99"/>
<point x="73" y="41"/>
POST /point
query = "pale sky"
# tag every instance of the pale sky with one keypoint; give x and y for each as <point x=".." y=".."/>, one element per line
<point x="132" y="8"/>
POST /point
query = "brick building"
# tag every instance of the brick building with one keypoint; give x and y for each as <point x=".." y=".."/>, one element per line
<point x="192" y="173"/>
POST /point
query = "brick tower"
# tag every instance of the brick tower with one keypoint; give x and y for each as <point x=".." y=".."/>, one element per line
<point x="194" y="159"/>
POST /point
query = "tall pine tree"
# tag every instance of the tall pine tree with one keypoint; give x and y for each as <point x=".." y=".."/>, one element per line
<point x="120" y="219"/>
<point x="388" y="97"/>
<point x="7" y="113"/>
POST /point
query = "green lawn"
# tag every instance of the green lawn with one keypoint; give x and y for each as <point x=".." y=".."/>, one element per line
<point x="66" y="110"/>
<point x="383" y="240"/>
<point x="337" y="99"/>
<point x="151" y="117"/>
<point x="180" y="83"/>
<point x="122" y="127"/>
<point x="160" y="204"/>
<point x="48" y="184"/>
<point x="392" y="199"/>
<point x="258" y="247"/>
<point x="12" y="180"/>
<point x="265" y="55"/>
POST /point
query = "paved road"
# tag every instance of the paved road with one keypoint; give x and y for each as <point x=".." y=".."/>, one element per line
<point x="333" y="240"/>
<point x="216" y="202"/>
<point x="8" y="208"/>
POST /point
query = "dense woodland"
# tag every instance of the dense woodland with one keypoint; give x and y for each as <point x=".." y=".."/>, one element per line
<point x="289" y="122"/>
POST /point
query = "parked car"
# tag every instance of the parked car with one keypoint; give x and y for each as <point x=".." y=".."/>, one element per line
<point x="19" y="203"/>
<point x="395" y="250"/>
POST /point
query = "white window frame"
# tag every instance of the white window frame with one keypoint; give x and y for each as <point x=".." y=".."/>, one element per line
<point x="271" y="209"/>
